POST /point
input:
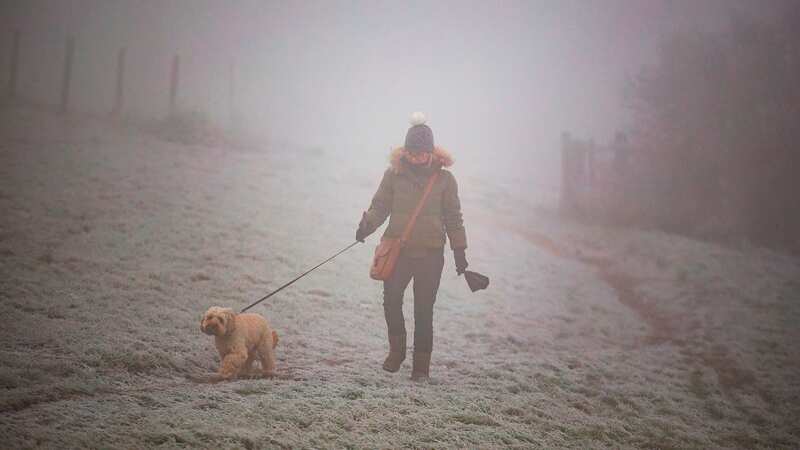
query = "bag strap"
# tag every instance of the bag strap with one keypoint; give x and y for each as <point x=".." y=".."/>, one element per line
<point x="413" y="220"/>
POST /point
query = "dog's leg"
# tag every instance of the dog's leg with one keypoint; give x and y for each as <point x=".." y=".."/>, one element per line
<point x="267" y="355"/>
<point x="248" y="365"/>
<point x="232" y="363"/>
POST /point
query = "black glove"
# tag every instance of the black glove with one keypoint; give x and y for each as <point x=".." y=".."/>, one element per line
<point x="361" y="232"/>
<point x="461" y="260"/>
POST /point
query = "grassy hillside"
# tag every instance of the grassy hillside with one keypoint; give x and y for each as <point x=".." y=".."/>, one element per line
<point x="113" y="243"/>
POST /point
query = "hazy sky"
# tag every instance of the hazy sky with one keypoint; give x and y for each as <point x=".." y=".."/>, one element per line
<point x="499" y="81"/>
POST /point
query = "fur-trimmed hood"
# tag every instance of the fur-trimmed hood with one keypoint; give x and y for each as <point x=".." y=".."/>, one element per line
<point x="441" y="158"/>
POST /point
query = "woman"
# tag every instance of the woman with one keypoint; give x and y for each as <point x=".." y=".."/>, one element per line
<point x="422" y="258"/>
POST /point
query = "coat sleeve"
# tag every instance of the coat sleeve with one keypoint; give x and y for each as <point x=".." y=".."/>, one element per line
<point x="381" y="204"/>
<point x="453" y="220"/>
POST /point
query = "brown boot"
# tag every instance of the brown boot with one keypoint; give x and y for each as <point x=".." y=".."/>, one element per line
<point x="421" y="367"/>
<point x="397" y="353"/>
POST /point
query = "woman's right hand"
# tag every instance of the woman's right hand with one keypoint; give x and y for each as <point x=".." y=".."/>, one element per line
<point x="361" y="232"/>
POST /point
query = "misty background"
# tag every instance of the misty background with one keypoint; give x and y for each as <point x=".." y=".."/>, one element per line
<point x="499" y="82"/>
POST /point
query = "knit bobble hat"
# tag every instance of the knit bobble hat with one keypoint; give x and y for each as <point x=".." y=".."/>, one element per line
<point x="419" y="137"/>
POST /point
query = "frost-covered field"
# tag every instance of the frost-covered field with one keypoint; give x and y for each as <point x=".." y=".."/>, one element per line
<point x="112" y="243"/>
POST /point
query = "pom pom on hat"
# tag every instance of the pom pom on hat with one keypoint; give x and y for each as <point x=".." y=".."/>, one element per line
<point x="419" y="137"/>
<point x="417" y="118"/>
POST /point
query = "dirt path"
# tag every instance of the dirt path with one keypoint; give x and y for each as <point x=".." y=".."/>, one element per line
<point x="664" y="327"/>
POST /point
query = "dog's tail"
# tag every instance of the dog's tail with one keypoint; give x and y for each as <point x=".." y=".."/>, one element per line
<point x="274" y="339"/>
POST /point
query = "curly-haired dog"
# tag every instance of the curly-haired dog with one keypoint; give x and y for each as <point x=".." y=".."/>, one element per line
<point x="240" y="339"/>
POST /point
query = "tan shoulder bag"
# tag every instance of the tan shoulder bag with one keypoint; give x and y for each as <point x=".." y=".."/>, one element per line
<point x="387" y="252"/>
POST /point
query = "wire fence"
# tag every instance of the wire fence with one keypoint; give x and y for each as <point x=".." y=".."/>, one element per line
<point x="606" y="181"/>
<point x="83" y="75"/>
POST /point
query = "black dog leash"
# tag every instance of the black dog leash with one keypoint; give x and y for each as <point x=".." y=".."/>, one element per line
<point x="301" y="276"/>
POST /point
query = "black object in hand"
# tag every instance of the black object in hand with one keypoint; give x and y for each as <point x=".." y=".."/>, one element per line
<point x="476" y="281"/>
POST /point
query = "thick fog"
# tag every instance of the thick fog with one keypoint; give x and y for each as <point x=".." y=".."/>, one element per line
<point x="644" y="284"/>
<point x="498" y="81"/>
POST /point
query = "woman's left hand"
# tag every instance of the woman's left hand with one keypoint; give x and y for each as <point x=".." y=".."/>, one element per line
<point x="461" y="260"/>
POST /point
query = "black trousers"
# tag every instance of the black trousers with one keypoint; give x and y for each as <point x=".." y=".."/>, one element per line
<point x="426" y="271"/>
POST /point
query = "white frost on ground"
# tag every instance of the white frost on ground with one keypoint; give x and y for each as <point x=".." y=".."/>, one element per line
<point x="112" y="243"/>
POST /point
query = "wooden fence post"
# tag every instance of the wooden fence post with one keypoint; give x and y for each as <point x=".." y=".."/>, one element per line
<point x="119" y="96"/>
<point x="11" y="90"/>
<point x="232" y="95"/>
<point x="173" y="84"/>
<point x="621" y="151"/>
<point x="67" y="74"/>
<point x="590" y="164"/>
<point x="567" y="199"/>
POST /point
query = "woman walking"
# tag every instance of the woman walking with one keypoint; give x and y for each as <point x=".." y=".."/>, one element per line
<point x="422" y="257"/>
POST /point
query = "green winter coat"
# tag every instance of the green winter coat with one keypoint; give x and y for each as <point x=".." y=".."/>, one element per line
<point x="397" y="197"/>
